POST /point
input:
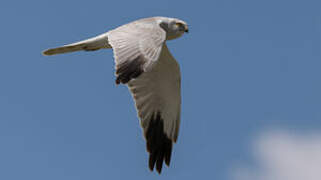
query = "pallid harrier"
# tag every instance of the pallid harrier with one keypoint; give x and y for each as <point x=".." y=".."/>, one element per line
<point x="144" y="63"/>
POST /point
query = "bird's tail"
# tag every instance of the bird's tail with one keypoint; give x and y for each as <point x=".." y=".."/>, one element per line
<point x="91" y="44"/>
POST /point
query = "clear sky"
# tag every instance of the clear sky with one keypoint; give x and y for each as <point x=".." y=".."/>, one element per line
<point x="247" y="67"/>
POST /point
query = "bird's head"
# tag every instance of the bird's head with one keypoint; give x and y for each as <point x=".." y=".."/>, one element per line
<point x="174" y="27"/>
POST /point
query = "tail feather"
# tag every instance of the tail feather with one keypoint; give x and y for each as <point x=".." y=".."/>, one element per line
<point x="91" y="44"/>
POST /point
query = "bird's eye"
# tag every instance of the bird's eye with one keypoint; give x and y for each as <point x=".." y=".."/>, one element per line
<point x="179" y="24"/>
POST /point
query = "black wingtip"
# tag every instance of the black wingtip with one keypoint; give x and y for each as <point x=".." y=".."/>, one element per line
<point x="168" y="156"/>
<point x="158" y="144"/>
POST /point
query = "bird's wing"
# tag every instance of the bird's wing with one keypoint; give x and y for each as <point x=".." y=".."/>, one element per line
<point x="136" y="47"/>
<point x="158" y="99"/>
<point x="91" y="44"/>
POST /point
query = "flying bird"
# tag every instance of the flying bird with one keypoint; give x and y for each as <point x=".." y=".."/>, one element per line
<point x="145" y="65"/>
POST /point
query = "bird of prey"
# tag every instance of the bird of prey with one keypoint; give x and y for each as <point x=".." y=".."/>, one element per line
<point x="145" y="65"/>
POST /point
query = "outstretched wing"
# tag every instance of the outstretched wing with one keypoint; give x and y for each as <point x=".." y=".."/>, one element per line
<point x="136" y="47"/>
<point x="158" y="100"/>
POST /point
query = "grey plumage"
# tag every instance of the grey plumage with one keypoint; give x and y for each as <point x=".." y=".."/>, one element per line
<point x="144" y="63"/>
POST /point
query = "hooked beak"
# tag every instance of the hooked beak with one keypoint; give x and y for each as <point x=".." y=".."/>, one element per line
<point x="186" y="29"/>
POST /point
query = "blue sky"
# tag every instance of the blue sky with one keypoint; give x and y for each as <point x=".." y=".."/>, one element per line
<point x="247" y="66"/>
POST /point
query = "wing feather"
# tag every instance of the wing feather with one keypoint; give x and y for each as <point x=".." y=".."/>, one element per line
<point x="158" y="99"/>
<point x="144" y="63"/>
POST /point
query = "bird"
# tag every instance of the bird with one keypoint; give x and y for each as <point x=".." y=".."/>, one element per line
<point x="143" y="63"/>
